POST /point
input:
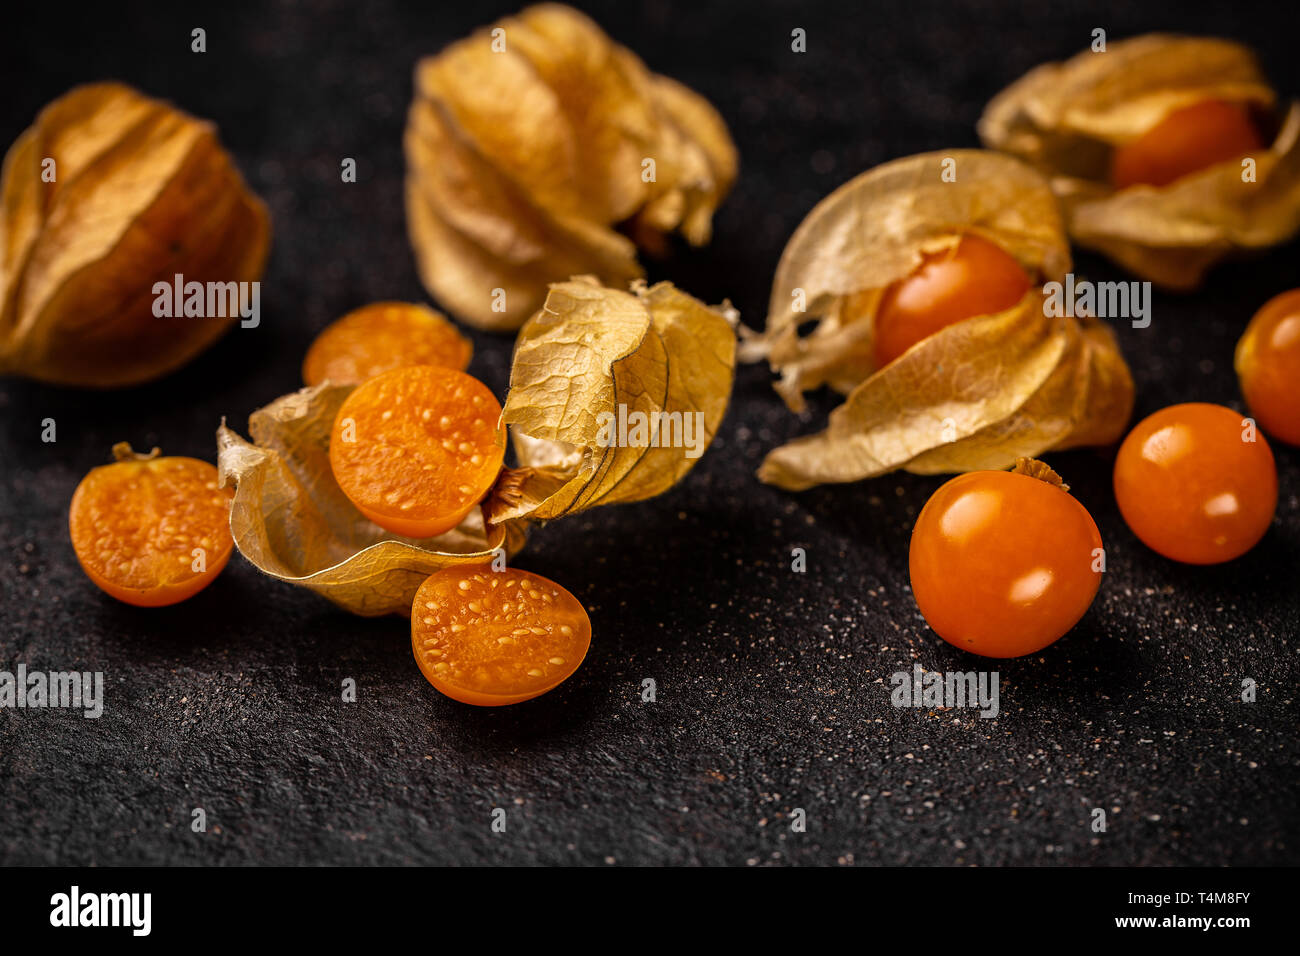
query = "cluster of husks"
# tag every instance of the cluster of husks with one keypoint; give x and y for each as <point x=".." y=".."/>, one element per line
<point x="539" y="149"/>
<point x="108" y="193"/>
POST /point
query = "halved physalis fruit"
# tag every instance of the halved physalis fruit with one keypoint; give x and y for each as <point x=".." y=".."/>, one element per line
<point x="416" y="448"/>
<point x="488" y="637"/>
<point x="151" y="531"/>
<point x="382" y="336"/>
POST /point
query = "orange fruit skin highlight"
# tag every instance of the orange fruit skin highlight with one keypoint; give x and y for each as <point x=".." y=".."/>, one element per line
<point x="1268" y="366"/>
<point x="491" y="638"/>
<point x="427" y="445"/>
<point x="1002" y="564"/>
<point x="1185" y="142"/>
<point x="977" y="277"/>
<point x="135" y="525"/>
<point x="383" y="336"/>
<point x="1191" y="488"/>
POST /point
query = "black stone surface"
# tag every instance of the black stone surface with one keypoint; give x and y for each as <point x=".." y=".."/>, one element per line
<point x="772" y="686"/>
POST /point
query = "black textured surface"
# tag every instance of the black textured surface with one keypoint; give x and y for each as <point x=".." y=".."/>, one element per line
<point x="772" y="686"/>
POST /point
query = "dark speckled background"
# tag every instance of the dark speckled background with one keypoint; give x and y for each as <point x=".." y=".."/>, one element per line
<point x="773" y="686"/>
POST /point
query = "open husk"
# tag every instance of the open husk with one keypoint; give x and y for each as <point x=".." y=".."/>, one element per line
<point x="1067" y="119"/>
<point x="107" y="193"/>
<point x="526" y="151"/>
<point x="977" y="394"/>
<point x="292" y="521"/>
<point x="590" y="350"/>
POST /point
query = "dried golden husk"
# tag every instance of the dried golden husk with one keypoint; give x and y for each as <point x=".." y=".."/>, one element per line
<point x="1068" y="118"/>
<point x="525" y="154"/>
<point x="593" y="352"/>
<point x="141" y="192"/>
<point x="590" y="350"/>
<point x="977" y="394"/>
<point x="292" y="521"/>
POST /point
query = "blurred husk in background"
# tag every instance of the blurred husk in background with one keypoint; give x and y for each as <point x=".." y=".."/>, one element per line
<point x="1069" y="118"/>
<point x="540" y="149"/>
<point x="108" y="193"/>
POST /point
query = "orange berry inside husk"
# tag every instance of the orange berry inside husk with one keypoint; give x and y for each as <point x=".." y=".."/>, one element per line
<point x="1186" y="141"/>
<point x="976" y="277"/>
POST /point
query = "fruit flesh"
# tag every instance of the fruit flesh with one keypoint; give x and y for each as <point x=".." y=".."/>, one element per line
<point x="1003" y="564"/>
<point x="490" y="638"/>
<point x="977" y="277"/>
<point x="1186" y="141"/>
<point x="1268" y="366"/>
<point x="427" y="445"/>
<point x="1191" y="488"/>
<point x="136" y="524"/>
<point x="383" y="336"/>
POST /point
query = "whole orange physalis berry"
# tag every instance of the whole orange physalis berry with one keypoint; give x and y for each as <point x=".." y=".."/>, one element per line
<point x="1196" y="483"/>
<point x="1186" y="141"/>
<point x="975" y="277"/>
<point x="1003" y="563"/>
<point x="1268" y="366"/>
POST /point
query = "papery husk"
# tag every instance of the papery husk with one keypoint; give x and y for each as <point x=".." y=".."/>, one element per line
<point x="977" y="394"/>
<point x="588" y="351"/>
<point x="873" y="230"/>
<point x="291" y="520"/>
<point x="1067" y="118"/>
<point x="142" y="192"/>
<point x="522" y="163"/>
